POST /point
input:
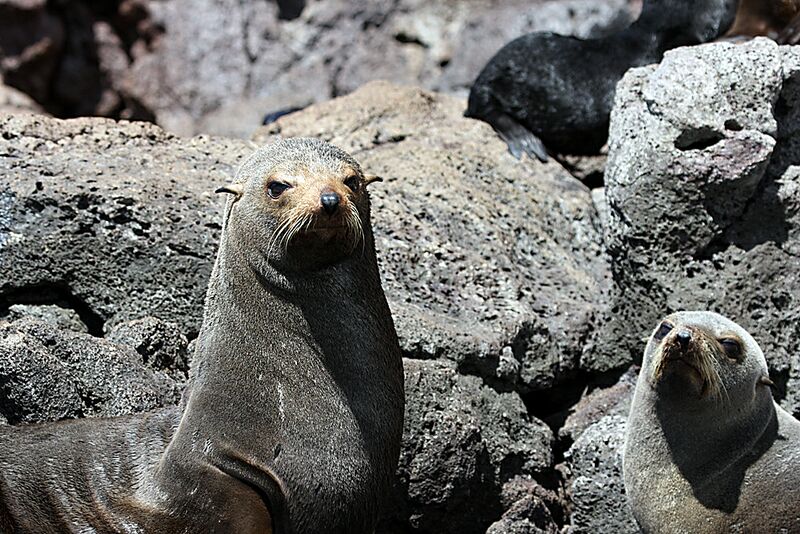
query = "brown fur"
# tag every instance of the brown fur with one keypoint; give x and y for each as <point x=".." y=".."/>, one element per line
<point x="764" y="17"/>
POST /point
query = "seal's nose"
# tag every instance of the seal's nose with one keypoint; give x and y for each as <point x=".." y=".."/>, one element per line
<point x="684" y="337"/>
<point x="330" y="202"/>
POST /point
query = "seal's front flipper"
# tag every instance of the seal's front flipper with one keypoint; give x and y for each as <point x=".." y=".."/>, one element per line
<point x="518" y="138"/>
<point x="790" y="35"/>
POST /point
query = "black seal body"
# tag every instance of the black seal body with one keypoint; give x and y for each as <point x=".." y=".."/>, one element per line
<point x="546" y="92"/>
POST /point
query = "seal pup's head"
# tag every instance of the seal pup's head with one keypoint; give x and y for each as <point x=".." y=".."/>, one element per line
<point x="300" y="204"/>
<point x="696" y="358"/>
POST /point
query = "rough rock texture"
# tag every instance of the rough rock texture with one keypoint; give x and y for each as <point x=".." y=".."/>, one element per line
<point x="47" y="374"/>
<point x="223" y="68"/>
<point x="703" y="190"/>
<point x="491" y="263"/>
<point x="462" y="440"/>
<point x="117" y="219"/>
<point x="161" y="345"/>
<point x="597" y="490"/>
<point x="614" y="400"/>
<point x="495" y="265"/>
<point x="49" y="313"/>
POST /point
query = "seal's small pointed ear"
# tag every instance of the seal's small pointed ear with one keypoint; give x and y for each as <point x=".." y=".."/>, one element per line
<point x="767" y="381"/>
<point x="233" y="189"/>
<point x="369" y="178"/>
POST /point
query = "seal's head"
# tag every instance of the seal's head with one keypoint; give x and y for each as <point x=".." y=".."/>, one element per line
<point x="693" y="358"/>
<point x="299" y="204"/>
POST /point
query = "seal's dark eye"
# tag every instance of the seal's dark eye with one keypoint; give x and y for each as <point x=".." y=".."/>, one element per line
<point x="353" y="182"/>
<point x="274" y="189"/>
<point x="732" y="347"/>
<point x="663" y="329"/>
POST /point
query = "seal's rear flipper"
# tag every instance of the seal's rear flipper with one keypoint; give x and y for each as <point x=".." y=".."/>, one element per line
<point x="518" y="138"/>
<point x="790" y="35"/>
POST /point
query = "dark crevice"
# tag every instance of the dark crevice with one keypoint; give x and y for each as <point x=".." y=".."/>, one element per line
<point x="56" y="294"/>
<point x="698" y="139"/>
<point x="554" y="405"/>
<point x="290" y="9"/>
<point x="404" y="38"/>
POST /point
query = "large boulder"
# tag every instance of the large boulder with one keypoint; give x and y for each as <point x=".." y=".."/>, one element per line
<point x="703" y="190"/>
<point x="461" y="442"/>
<point x="222" y="68"/>
<point x="486" y="261"/>
<point x="118" y="220"/>
<point x="47" y="374"/>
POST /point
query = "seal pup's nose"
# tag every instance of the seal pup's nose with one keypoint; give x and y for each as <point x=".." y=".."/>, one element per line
<point x="330" y="202"/>
<point x="684" y="337"/>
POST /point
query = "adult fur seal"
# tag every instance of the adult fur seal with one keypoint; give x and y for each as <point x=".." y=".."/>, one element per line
<point x="547" y="90"/>
<point x="707" y="449"/>
<point x="293" y="420"/>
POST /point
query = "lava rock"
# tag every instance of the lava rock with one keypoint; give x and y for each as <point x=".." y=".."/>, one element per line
<point x="50" y="313"/>
<point x="597" y="489"/>
<point x="161" y="345"/>
<point x="495" y="265"/>
<point x="119" y="219"/>
<point x="222" y="69"/>
<point x="47" y="374"/>
<point x="461" y="442"/>
<point x="703" y="190"/>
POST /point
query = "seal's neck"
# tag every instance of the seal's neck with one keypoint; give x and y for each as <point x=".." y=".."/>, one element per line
<point x="706" y="442"/>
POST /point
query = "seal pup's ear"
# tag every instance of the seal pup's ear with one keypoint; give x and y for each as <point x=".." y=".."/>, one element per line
<point x="369" y="178"/>
<point x="767" y="381"/>
<point x="233" y="189"/>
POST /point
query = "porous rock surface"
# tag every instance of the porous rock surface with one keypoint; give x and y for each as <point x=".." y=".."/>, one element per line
<point x="47" y="374"/>
<point x="117" y="221"/>
<point x="703" y="189"/>
<point x="462" y="441"/>
<point x="597" y="490"/>
<point x="220" y="70"/>
<point x="494" y="264"/>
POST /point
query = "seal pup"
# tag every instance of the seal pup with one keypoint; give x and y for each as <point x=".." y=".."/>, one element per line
<point x="546" y="92"/>
<point x="293" y="418"/>
<point x="707" y="449"/>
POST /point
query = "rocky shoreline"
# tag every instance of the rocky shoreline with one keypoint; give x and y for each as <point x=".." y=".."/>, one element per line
<point x="520" y="296"/>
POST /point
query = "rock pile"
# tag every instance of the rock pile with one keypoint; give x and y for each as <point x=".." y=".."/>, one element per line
<point x="512" y="295"/>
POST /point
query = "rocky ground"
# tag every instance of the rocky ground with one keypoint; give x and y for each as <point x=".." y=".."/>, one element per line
<point x="521" y="297"/>
<point x="223" y="68"/>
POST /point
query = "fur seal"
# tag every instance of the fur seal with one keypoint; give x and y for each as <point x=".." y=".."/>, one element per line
<point x="293" y="418"/>
<point x="546" y="92"/>
<point x="707" y="449"/>
<point x="777" y="19"/>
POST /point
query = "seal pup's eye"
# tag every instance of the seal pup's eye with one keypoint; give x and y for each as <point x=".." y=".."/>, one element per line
<point x="663" y="329"/>
<point x="353" y="183"/>
<point x="731" y="347"/>
<point x="274" y="189"/>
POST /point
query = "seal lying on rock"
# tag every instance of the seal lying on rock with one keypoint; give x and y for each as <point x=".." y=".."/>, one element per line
<point x="293" y="419"/>
<point x="547" y="90"/>
<point x="707" y="449"/>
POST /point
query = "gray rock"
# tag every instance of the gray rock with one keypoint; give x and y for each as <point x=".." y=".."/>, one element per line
<point x="117" y="218"/>
<point x="161" y="345"/>
<point x="496" y="265"/>
<point x="462" y="440"/>
<point x="597" y="490"/>
<point x="50" y="313"/>
<point x="614" y="400"/>
<point x="223" y="68"/>
<point x="15" y="101"/>
<point x="47" y="374"/>
<point x="703" y="192"/>
<point x="528" y="515"/>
